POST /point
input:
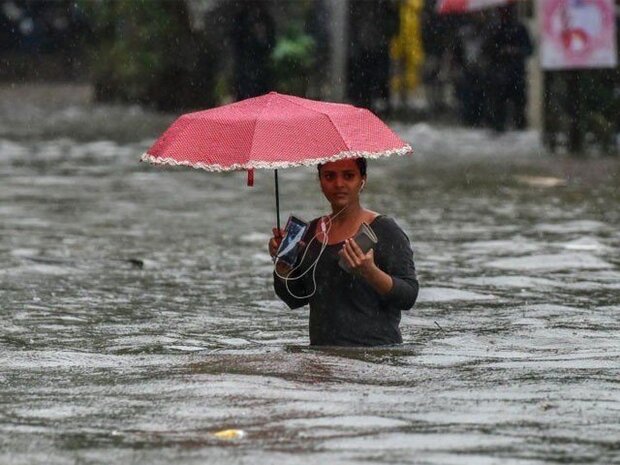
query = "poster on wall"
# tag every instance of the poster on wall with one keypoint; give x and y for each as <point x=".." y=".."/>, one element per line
<point x="577" y="34"/>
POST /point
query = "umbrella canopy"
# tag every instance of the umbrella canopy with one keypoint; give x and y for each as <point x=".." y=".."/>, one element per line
<point x="463" y="6"/>
<point x="273" y="131"/>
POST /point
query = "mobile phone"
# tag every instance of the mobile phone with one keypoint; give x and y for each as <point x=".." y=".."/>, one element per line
<point x="365" y="238"/>
<point x="294" y="231"/>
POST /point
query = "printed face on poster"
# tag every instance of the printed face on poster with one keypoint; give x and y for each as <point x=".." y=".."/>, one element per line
<point x="577" y="34"/>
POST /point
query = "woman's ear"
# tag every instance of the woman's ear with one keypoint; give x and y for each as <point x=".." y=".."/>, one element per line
<point x="363" y="184"/>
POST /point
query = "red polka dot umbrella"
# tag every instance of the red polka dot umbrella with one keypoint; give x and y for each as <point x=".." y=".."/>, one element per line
<point x="273" y="131"/>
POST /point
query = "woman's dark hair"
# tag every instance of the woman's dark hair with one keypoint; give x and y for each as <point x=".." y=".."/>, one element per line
<point x="362" y="164"/>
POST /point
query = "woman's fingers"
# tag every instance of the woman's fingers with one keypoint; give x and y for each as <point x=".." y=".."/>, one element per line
<point x="350" y="254"/>
<point x="274" y="242"/>
<point x="282" y="268"/>
<point x="360" y="253"/>
<point x="273" y="246"/>
<point x="355" y="256"/>
<point x="356" y="248"/>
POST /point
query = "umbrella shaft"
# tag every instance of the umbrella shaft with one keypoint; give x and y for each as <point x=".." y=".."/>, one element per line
<point x="277" y="199"/>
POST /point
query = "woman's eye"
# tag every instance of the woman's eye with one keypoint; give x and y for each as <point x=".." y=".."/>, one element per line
<point x="348" y="176"/>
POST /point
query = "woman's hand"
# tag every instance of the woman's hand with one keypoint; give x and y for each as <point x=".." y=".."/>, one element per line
<point x="363" y="264"/>
<point x="282" y="269"/>
<point x="360" y="263"/>
<point x="275" y="241"/>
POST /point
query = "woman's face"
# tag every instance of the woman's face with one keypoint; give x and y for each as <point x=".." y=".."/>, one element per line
<point x="341" y="182"/>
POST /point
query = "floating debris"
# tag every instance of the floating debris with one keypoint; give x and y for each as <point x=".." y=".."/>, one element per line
<point x="230" y="434"/>
<point x="541" y="181"/>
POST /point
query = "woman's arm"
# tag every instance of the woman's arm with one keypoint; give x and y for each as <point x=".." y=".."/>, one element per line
<point x="397" y="260"/>
<point x="394" y="277"/>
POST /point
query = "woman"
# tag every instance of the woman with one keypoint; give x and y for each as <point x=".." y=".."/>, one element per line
<point x="361" y="308"/>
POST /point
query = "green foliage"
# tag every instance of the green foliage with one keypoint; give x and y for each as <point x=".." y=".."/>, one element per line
<point x="145" y="52"/>
<point x="297" y="50"/>
<point x="293" y="60"/>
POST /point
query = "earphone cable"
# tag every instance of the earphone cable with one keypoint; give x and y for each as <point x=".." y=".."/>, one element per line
<point x="313" y="265"/>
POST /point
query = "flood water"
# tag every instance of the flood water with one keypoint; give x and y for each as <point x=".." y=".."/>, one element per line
<point x="138" y="317"/>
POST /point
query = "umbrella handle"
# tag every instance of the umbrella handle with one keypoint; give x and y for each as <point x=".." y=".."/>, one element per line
<point x="277" y="199"/>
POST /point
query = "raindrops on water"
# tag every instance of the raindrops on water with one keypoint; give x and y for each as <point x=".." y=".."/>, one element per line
<point x="138" y="312"/>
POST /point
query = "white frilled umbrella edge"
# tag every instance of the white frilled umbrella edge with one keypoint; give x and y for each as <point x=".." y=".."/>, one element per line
<point x="404" y="150"/>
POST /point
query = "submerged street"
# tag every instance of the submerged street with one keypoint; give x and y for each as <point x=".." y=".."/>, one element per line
<point x="139" y="316"/>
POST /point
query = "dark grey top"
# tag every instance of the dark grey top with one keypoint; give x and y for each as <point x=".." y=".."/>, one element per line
<point x="345" y="310"/>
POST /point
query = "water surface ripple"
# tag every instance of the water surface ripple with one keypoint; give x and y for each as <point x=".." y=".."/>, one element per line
<point x="138" y="316"/>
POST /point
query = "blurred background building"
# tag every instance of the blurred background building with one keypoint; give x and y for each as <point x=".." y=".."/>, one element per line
<point x="403" y="59"/>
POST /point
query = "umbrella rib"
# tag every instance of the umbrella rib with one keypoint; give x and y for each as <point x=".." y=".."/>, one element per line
<point x="249" y="160"/>
<point x="321" y="113"/>
<point x="336" y="129"/>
